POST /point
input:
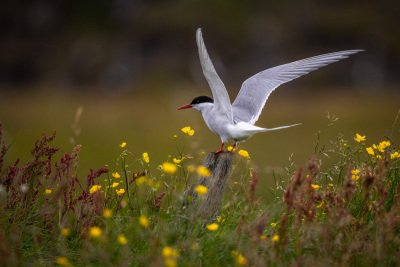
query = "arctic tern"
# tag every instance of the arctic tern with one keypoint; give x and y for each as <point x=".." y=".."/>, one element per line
<point x="236" y="121"/>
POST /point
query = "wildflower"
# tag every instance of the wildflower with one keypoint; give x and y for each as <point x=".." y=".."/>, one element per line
<point x="188" y="130"/>
<point x="169" y="168"/>
<point x="123" y="145"/>
<point x="114" y="184"/>
<point x="315" y="186"/>
<point x="107" y="213"/>
<point x="244" y="153"/>
<point x="170" y="256"/>
<point x="378" y="157"/>
<point x="203" y="171"/>
<point x="120" y="191"/>
<point x="94" y="188"/>
<point x="146" y="157"/>
<point x="231" y="149"/>
<point x="122" y="239"/>
<point x="275" y="238"/>
<point x="116" y="175"/>
<point x="170" y="262"/>
<point x="212" y="227"/>
<point x="383" y="145"/>
<point x="48" y="191"/>
<point x="274" y="224"/>
<point x="395" y="155"/>
<point x="95" y="232"/>
<point x="63" y="261"/>
<point x="370" y="151"/>
<point x="201" y="190"/>
<point x="169" y="252"/>
<point x="141" y="180"/>
<point x="240" y="260"/>
<point x="143" y="221"/>
<point x="320" y="205"/>
<point x="65" y="231"/>
<point x="355" y="174"/>
<point x="359" y="138"/>
<point x="176" y="161"/>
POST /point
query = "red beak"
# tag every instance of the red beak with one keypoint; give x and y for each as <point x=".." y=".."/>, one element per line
<point x="185" y="107"/>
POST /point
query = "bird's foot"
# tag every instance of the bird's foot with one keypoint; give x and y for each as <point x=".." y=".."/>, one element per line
<point x="220" y="150"/>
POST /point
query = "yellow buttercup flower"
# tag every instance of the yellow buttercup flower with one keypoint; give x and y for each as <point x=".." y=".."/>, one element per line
<point x="203" y="171"/>
<point x="395" y="155"/>
<point x="169" y="167"/>
<point x="355" y="174"/>
<point x="170" y="262"/>
<point x="65" y="231"/>
<point x="359" y="138"/>
<point x="120" y="191"/>
<point x="48" y="191"/>
<point x="116" y="175"/>
<point x="212" y="227"/>
<point x="240" y="260"/>
<point x="188" y="130"/>
<point x="383" y="145"/>
<point x="169" y="252"/>
<point x="123" y="145"/>
<point x="275" y="238"/>
<point x="370" y="151"/>
<point x="141" y="180"/>
<point x="201" y="190"/>
<point x="176" y="161"/>
<point x="114" y="184"/>
<point x="146" y="157"/>
<point x="315" y="186"/>
<point x="143" y="221"/>
<point x="244" y="153"/>
<point x="63" y="261"/>
<point x="94" y="188"/>
<point x="378" y="157"/>
<point x="95" y="232"/>
<point x="122" y="239"/>
<point x="231" y="149"/>
<point x="107" y="213"/>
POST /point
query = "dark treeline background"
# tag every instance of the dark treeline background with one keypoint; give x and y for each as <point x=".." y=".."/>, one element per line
<point x="124" y="43"/>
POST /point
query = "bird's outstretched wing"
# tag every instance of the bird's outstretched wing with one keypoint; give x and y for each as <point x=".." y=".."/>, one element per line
<point x="222" y="102"/>
<point x="255" y="90"/>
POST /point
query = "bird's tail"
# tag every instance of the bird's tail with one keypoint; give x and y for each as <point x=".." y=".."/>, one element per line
<point x="281" y="127"/>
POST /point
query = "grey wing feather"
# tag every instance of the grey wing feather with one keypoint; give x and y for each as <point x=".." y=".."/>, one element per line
<point x="222" y="102"/>
<point x="255" y="90"/>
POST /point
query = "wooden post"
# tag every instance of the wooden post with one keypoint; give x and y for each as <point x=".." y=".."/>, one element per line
<point x="209" y="205"/>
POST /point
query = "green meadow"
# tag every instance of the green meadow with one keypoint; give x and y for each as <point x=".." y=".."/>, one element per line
<point x="107" y="189"/>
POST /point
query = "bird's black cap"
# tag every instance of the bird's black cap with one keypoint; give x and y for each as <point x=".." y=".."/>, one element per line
<point x="202" y="99"/>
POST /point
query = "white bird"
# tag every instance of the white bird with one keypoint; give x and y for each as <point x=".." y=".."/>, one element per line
<point x="236" y="121"/>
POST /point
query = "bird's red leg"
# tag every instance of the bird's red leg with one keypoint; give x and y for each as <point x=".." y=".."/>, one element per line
<point x="221" y="149"/>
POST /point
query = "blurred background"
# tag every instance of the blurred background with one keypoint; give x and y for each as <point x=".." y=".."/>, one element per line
<point x="102" y="72"/>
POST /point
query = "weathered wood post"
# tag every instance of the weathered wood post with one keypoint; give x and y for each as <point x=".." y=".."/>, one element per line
<point x="209" y="205"/>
